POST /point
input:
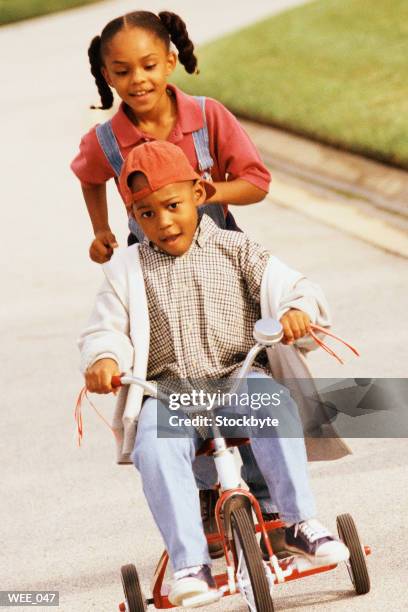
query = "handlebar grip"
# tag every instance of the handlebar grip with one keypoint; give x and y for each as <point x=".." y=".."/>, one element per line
<point x="116" y="382"/>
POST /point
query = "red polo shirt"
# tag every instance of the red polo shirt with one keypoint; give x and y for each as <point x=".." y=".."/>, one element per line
<point x="231" y="148"/>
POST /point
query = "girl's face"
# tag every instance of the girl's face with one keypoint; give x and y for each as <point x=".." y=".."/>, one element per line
<point x="136" y="65"/>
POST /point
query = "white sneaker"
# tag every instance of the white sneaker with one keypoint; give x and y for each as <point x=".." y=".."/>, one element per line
<point x="193" y="585"/>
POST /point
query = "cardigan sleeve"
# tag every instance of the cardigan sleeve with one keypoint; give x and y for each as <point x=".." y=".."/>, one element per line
<point x="309" y="298"/>
<point x="107" y="332"/>
<point x="284" y="288"/>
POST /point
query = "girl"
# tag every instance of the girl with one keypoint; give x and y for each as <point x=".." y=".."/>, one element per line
<point x="133" y="57"/>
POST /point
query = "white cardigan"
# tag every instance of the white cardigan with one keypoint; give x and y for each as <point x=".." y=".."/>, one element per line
<point x="119" y="328"/>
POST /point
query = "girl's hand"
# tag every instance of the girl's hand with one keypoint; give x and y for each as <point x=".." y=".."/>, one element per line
<point x="296" y="324"/>
<point x="101" y="249"/>
<point x="98" y="377"/>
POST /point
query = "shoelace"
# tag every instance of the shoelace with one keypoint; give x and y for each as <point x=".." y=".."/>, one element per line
<point x="188" y="572"/>
<point x="312" y="530"/>
<point x="84" y="393"/>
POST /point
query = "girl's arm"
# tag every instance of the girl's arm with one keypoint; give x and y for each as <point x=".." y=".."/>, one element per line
<point x="93" y="170"/>
<point x="96" y="203"/>
<point x="237" y="191"/>
<point x="101" y="249"/>
<point x="236" y="157"/>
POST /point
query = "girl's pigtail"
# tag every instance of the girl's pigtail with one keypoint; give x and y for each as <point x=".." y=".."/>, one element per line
<point x="179" y="36"/>
<point x="94" y="54"/>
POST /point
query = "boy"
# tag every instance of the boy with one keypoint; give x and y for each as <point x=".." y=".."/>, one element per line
<point x="182" y="305"/>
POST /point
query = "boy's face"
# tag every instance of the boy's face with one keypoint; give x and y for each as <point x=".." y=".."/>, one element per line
<point x="169" y="216"/>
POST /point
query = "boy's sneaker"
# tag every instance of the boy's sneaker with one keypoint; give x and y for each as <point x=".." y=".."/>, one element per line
<point x="276" y="538"/>
<point x="192" y="584"/>
<point x="311" y="539"/>
<point x="208" y="499"/>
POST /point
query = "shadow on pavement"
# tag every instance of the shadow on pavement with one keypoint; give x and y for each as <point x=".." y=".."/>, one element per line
<point x="317" y="598"/>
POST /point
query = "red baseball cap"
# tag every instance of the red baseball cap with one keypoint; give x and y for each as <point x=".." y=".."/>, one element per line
<point x="162" y="163"/>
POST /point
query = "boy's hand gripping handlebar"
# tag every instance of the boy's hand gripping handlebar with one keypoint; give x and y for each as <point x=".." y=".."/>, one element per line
<point x="116" y="382"/>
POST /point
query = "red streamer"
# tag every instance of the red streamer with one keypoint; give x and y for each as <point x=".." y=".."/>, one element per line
<point x="324" y="346"/>
<point x="83" y="394"/>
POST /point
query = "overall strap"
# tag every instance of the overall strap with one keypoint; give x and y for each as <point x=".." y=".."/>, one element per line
<point x="205" y="163"/>
<point x="202" y="144"/>
<point x="109" y="146"/>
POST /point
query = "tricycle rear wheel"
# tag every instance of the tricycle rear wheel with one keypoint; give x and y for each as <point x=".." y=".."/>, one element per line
<point x="356" y="565"/>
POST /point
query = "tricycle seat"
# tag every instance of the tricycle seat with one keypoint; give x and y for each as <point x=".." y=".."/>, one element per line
<point x="207" y="448"/>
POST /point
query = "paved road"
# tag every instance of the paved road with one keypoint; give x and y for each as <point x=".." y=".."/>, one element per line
<point x="71" y="517"/>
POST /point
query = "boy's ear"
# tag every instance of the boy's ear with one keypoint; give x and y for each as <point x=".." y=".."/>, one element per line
<point x="132" y="212"/>
<point x="171" y="62"/>
<point x="200" y="194"/>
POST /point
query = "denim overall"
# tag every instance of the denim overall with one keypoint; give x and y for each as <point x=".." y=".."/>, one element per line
<point x="110" y="147"/>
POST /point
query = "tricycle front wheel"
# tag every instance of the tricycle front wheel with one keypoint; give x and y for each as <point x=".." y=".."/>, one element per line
<point x="251" y="572"/>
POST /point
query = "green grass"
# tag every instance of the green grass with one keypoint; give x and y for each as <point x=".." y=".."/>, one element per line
<point x="17" y="10"/>
<point x="333" y="70"/>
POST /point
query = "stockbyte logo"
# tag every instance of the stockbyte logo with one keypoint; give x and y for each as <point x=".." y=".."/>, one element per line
<point x="223" y="421"/>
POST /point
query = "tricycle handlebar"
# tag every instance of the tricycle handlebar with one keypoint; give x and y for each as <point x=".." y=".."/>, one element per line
<point x="267" y="333"/>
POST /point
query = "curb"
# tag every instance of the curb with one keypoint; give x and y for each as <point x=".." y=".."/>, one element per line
<point x="363" y="198"/>
<point x="337" y="213"/>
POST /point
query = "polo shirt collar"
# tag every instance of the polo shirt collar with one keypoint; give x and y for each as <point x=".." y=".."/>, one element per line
<point x="189" y="119"/>
<point x="206" y="229"/>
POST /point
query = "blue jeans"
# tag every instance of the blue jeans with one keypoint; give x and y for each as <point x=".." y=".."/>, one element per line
<point x="169" y="484"/>
<point x="206" y="477"/>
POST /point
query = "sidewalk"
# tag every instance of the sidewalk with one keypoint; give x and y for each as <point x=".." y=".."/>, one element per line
<point x="72" y="516"/>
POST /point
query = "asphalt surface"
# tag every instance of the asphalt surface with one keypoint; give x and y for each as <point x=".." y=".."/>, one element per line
<point x="71" y="517"/>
